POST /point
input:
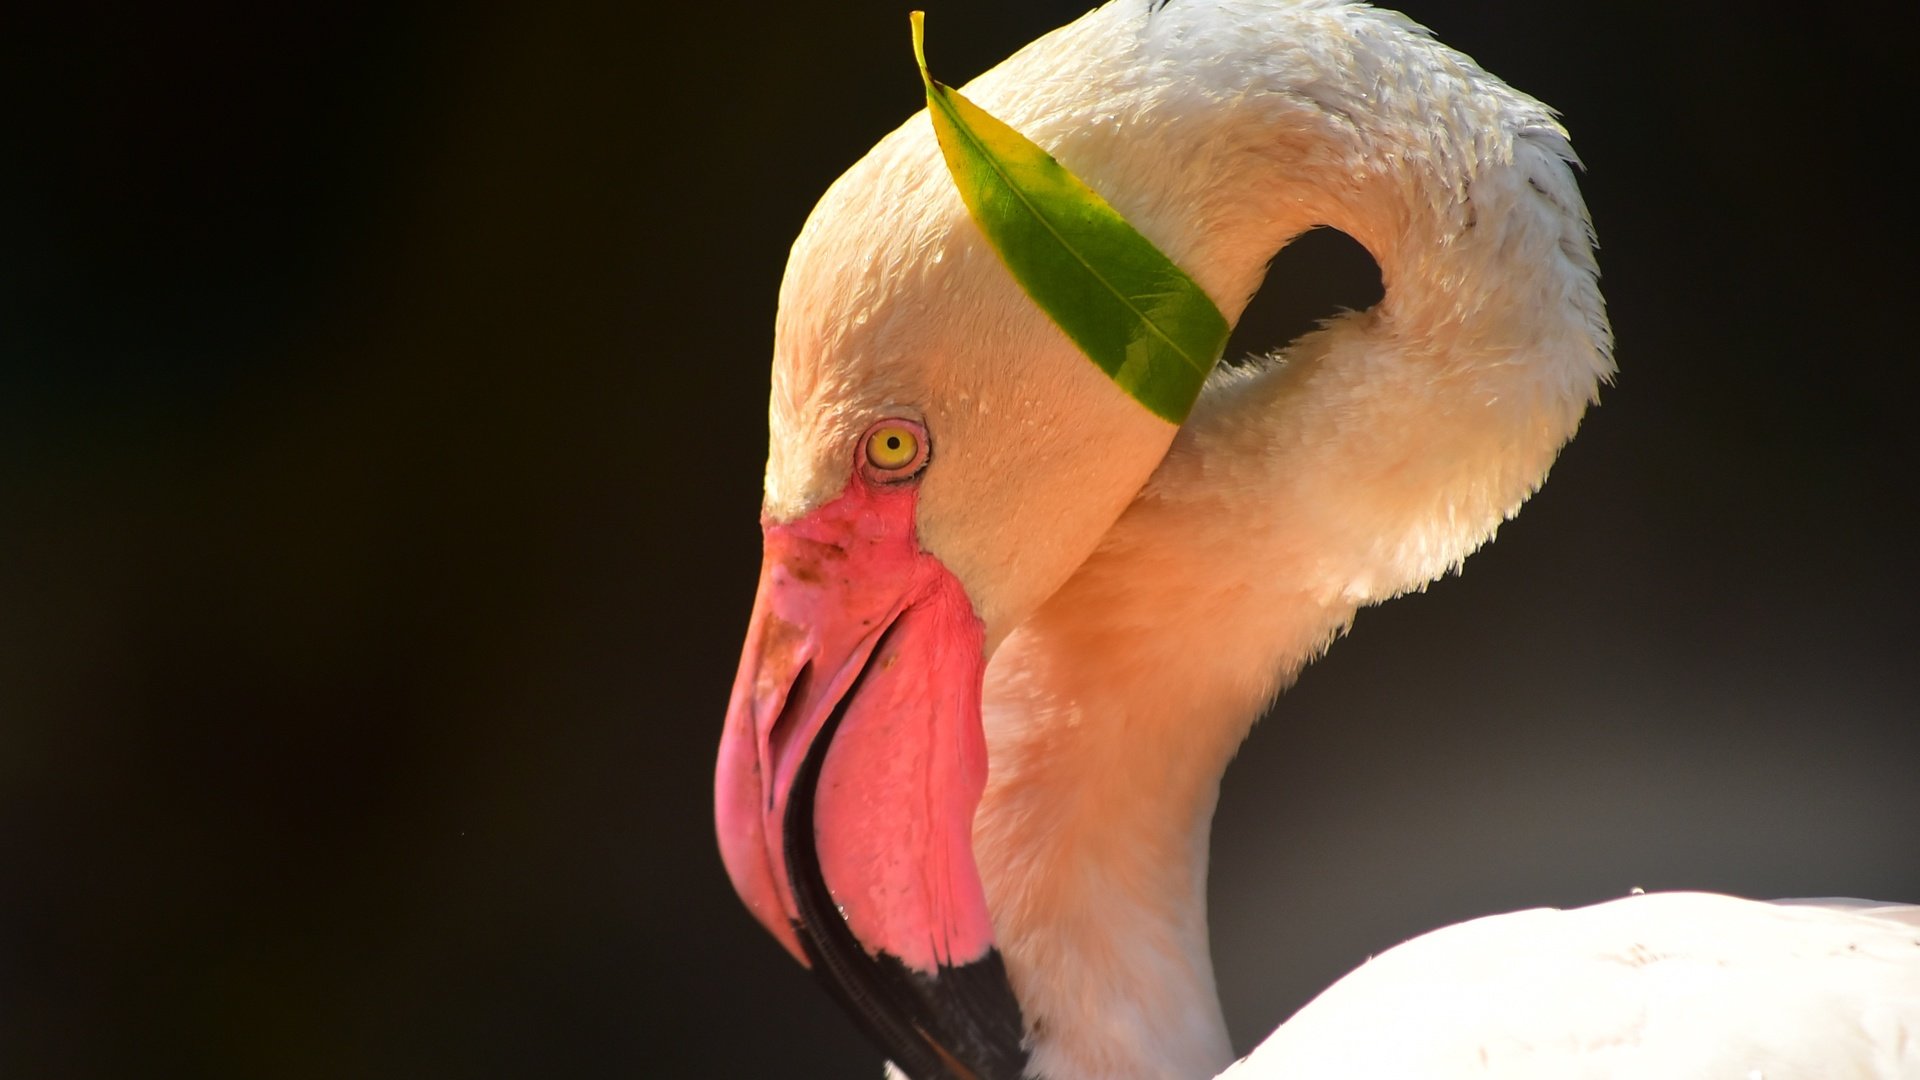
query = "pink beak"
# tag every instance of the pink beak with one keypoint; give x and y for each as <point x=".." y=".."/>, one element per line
<point x="850" y="768"/>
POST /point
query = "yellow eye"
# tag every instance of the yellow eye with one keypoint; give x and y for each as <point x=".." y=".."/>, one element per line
<point x="894" y="447"/>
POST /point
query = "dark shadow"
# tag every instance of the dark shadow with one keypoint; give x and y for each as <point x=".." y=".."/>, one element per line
<point x="1318" y="275"/>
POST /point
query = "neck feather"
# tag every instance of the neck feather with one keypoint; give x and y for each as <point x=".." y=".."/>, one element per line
<point x="1365" y="460"/>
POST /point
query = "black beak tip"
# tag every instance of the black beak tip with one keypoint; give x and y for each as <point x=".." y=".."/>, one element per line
<point x="959" y="1023"/>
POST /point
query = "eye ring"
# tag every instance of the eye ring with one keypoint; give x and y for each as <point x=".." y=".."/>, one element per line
<point x="894" y="449"/>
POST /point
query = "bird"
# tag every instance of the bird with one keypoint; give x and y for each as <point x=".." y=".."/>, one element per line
<point x="1011" y="625"/>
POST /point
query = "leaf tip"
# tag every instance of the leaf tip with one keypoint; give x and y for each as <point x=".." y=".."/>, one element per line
<point x="919" y="21"/>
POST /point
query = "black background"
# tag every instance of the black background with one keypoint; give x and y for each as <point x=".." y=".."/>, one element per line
<point x="381" y="422"/>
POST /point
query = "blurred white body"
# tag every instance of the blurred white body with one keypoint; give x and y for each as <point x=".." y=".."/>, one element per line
<point x="1666" y="986"/>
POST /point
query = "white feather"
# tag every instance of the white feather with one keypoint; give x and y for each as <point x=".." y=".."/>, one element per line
<point x="1665" y="986"/>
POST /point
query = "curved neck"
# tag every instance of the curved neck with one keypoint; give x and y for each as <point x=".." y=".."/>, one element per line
<point x="1368" y="459"/>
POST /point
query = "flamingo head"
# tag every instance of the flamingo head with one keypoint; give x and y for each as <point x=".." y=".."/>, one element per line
<point x="942" y="458"/>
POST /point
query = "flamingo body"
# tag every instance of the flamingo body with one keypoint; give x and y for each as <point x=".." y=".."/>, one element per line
<point x="1662" y="986"/>
<point x="1143" y="592"/>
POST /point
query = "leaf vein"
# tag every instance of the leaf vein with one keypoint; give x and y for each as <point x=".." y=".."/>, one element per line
<point x="1008" y="182"/>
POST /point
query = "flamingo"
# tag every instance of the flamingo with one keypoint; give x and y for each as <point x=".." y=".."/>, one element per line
<point x="1011" y="625"/>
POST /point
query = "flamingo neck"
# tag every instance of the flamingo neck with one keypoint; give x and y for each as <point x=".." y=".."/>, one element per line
<point x="1092" y="844"/>
<point x="1369" y="458"/>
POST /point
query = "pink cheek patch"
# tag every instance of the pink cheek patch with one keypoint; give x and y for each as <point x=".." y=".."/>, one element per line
<point x="902" y="778"/>
<point x="862" y="639"/>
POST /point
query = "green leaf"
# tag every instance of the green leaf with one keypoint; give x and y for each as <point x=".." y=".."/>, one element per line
<point x="1130" y="309"/>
